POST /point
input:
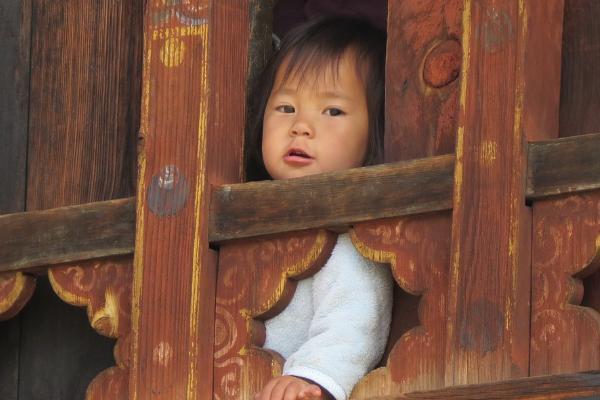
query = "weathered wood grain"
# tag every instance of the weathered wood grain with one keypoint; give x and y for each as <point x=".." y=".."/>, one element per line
<point x="581" y="386"/>
<point x="257" y="279"/>
<point x="565" y="335"/>
<point x="562" y="166"/>
<point x="580" y="86"/>
<point x="422" y="86"/>
<point x="504" y="44"/>
<point x="65" y="234"/>
<point x="192" y="127"/>
<point x="15" y="45"/>
<point x="85" y="101"/>
<point x="256" y="208"/>
<point x="84" y="115"/>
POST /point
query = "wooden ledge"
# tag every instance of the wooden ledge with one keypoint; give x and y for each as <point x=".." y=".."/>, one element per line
<point x="243" y="210"/>
<point x="581" y="386"/>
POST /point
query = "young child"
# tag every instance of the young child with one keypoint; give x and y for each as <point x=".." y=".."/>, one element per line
<point x="322" y="108"/>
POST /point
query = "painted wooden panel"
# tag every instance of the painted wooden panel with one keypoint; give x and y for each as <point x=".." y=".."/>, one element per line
<point x="104" y="287"/>
<point x="257" y="279"/>
<point x="565" y="336"/>
<point x="505" y="42"/>
<point x="418" y="249"/>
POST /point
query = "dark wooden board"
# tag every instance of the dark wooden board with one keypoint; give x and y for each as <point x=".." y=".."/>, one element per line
<point x="15" y="31"/>
<point x="65" y="234"/>
<point x="59" y="366"/>
<point x="14" y="102"/>
<point x="84" y="114"/>
<point x="581" y="386"/>
<point x="580" y="86"/>
<point x="565" y="165"/>
<point x="85" y="101"/>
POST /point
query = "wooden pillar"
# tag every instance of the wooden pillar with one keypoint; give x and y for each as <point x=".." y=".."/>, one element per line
<point x="193" y="105"/>
<point x="509" y="95"/>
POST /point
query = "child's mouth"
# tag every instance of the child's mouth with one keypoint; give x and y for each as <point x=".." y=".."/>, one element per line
<point x="297" y="157"/>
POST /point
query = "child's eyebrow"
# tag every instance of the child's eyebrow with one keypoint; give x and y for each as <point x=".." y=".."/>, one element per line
<point x="325" y="95"/>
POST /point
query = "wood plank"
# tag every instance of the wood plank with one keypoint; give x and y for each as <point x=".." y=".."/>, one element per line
<point x="581" y="386"/>
<point x="85" y="101"/>
<point x="65" y="234"/>
<point x="193" y="108"/>
<point x="331" y="199"/>
<point x="504" y="44"/>
<point x="562" y="166"/>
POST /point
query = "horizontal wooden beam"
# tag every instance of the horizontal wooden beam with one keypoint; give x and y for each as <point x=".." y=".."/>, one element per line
<point x="566" y="165"/>
<point x="103" y="229"/>
<point x="66" y="234"/>
<point x="332" y="199"/>
<point x="582" y="386"/>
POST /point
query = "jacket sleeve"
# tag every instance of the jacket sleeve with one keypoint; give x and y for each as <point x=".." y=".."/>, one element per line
<point x="352" y="297"/>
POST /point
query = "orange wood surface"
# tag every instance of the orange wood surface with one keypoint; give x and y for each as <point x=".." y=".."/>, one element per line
<point x="504" y="43"/>
<point x="422" y="71"/>
<point x="192" y="133"/>
<point x="257" y="279"/>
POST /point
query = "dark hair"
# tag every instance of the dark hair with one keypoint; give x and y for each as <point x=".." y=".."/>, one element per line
<point x="312" y="47"/>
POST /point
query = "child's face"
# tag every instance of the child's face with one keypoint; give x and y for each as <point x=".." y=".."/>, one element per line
<point x="317" y="126"/>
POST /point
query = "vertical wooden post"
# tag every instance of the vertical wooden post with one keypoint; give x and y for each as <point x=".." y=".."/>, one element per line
<point x="195" y="63"/>
<point x="509" y="94"/>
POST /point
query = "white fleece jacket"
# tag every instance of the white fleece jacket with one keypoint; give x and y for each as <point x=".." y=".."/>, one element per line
<point x="336" y="326"/>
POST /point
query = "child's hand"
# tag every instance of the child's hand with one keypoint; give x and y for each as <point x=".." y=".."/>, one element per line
<point x="291" y="388"/>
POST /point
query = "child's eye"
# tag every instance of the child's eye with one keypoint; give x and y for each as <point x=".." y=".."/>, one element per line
<point x="286" y="109"/>
<point x="334" y="112"/>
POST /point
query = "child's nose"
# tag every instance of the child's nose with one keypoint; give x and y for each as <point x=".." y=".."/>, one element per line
<point x="301" y="128"/>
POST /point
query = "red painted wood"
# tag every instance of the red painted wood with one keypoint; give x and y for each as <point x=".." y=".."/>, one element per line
<point x="192" y="131"/>
<point x="505" y="43"/>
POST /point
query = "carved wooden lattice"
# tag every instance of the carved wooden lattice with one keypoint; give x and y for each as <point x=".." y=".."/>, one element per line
<point x="104" y="287"/>
<point x="257" y="279"/>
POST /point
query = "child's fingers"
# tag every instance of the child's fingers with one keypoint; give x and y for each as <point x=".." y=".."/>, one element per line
<point x="282" y="388"/>
<point x="265" y="393"/>
<point x="292" y="391"/>
<point x="309" y="392"/>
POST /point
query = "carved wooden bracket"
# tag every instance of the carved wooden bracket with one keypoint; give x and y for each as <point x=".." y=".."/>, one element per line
<point x="16" y="289"/>
<point x="418" y="249"/>
<point x="257" y="279"/>
<point x="565" y="336"/>
<point x="104" y="287"/>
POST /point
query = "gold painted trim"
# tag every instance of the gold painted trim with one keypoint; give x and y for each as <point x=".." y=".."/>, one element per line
<point x="7" y="302"/>
<point x="201" y="154"/>
<point x="138" y="254"/>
